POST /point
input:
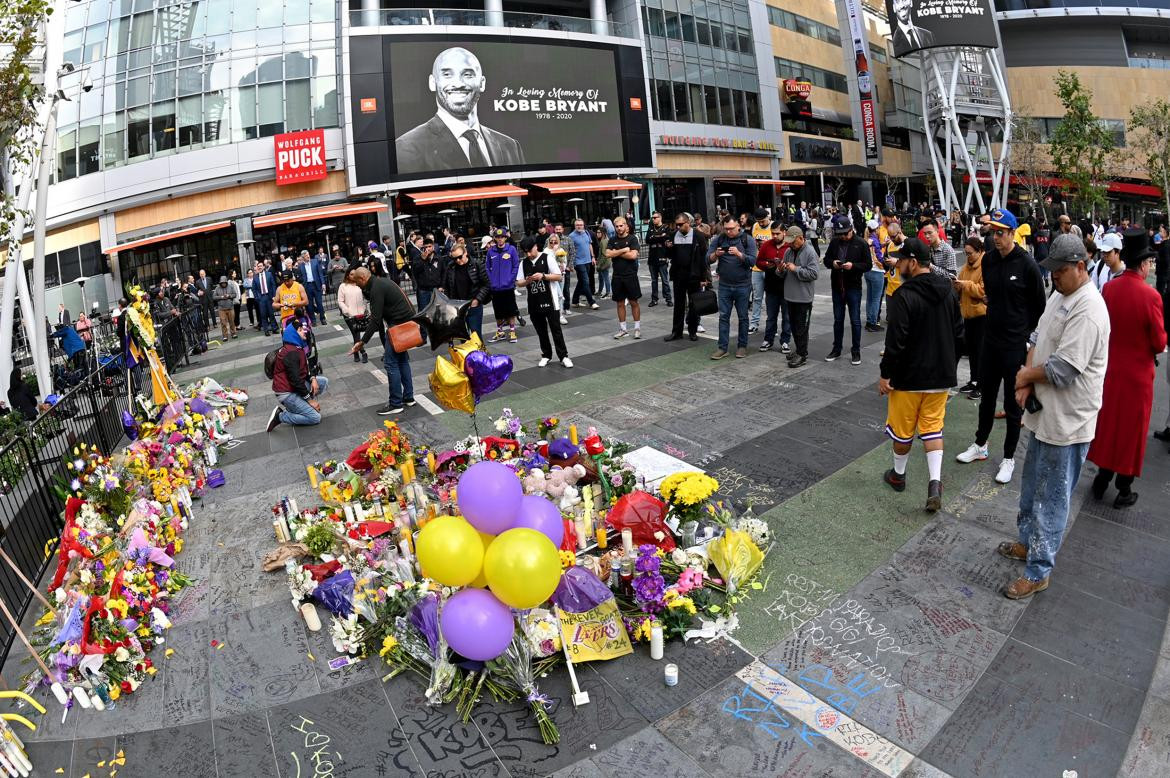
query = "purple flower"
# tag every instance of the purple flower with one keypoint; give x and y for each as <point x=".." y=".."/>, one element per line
<point x="616" y="479"/>
<point x="75" y="485"/>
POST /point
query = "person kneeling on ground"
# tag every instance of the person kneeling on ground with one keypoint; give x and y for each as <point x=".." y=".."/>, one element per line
<point x="296" y="391"/>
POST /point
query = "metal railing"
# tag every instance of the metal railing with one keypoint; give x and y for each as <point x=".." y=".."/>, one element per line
<point x="32" y="460"/>
<point x="457" y="17"/>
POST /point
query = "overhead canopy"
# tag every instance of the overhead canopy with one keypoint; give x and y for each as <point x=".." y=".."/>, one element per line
<point x="322" y="212"/>
<point x="588" y="185"/>
<point x="761" y="181"/>
<point x="837" y="171"/>
<point x="436" y="196"/>
<point x="166" y="236"/>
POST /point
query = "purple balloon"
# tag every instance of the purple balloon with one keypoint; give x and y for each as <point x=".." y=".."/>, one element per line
<point x="540" y="514"/>
<point x="129" y="425"/>
<point x="489" y="496"/>
<point x="476" y="624"/>
<point x="486" y="372"/>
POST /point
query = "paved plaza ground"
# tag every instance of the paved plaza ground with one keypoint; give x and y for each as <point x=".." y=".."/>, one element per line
<point x="941" y="675"/>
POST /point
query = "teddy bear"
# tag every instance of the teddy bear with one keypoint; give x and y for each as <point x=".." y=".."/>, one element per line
<point x="560" y="484"/>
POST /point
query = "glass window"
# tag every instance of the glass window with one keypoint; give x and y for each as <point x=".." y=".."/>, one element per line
<point x="325" y="101"/>
<point x="118" y="36"/>
<point x="190" y="120"/>
<point x="702" y="32"/>
<point x="67" y="153"/>
<point x="95" y="43"/>
<point x="92" y="261"/>
<point x="164" y="85"/>
<point x="137" y="132"/>
<point x="163" y="126"/>
<point x="716" y="35"/>
<point x="219" y="75"/>
<point x="745" y="41"/>
<point x="696" y="91"/>
<point x="245" y="99"/>
<point x="662" y="93"/>
<point x="243" y="14"/>
<point x="219" y="16"/>
<point x="296" y="33"/>
<point x="322" y="10"/>
<point x="113" y="146"/>
<point x="269" y="14"/>
<point x="89" y="156"/>
<point x="656" y="24"/>
<point x="752" y="105"/>
<point x="70" y="264"/>
<point x="298" y="105"/>
<point x="688" y="28"/>
<point x="216" y="122"/>
<point x="138" y="91"/>
<point x="740" y="108"/>
<point x="141" y="30"/>
<point x="190" y="80"/>
<point x="75" y="16"/>
<point x="91" y="102"/>
<point x="681" y="112"/>
<point x="711" y="99"/>
<point x="297" y="65"/>
<point x="296" y="12"/>
<point x="73" y="43"/>
<point x="271" y="109"/>
<point x="271" y="69"/>
<point x="726" y="111"/>
<point x="673" y="29"/>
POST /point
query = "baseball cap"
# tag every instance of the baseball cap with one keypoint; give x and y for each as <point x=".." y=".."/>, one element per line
<point x="1065" y="249"/>
<point x="912" y="248"/>
<point x="286" y="274"/>
<point x="842" y="224"/>
<point x="372" y="245"/>
<point x="792" y="233"/>
<point x="872" y="224"/>
<point x="500" y="232"/>
<point x="888" y="212"/>
<point x="1110" y="241"/>
<point x="1003" y="219"/>
<point x="760" y="213"/>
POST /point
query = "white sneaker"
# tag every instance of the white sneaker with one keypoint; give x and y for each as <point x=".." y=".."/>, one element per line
<point x="594" y="307"/>
<point x="564" y="320"/>
<point x="974" y="453"/>
<point x="637" y="333"/>
<point x="620" y="334"/>
<point x="543" y="361"/>
<point x="1006" y="468"/>
<point x="702" y="328"/>
<point x="567" y="362"/>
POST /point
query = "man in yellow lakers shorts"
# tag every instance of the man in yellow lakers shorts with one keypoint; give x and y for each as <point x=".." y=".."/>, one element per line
<point x="918" y="366"/>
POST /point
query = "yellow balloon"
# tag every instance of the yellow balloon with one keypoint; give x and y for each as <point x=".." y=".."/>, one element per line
<point x="460" y="352"/>
<point x="451" y="387"/>
<point x="481" y="581"/>
<point x="450" y="551"/>
<point x="522" y="567"/>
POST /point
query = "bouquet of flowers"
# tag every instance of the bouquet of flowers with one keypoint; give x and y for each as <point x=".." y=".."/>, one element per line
<point x="388" y="447"/>
<point x="548" y="425"/>
<point x="687" y="492"/>
<point x="509" y="425"/>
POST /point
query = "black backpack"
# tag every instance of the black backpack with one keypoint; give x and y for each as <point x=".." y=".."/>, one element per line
<point x="270" y="362"/>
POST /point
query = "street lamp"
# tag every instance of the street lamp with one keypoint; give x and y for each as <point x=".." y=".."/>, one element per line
<point x="174" y="260"/>
<point x="448" y="212"/>
<point x="401" y="219"/>
<point x="725" y="197"/>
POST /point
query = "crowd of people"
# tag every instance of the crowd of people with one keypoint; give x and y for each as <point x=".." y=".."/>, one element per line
<point x="1060" y="328"/>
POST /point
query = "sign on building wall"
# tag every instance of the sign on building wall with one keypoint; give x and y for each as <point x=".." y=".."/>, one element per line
<point x="300" y="156"/>
<point x="928" y="24"/>
<point x="796" y="96"/>
<point x="865" y="117"/>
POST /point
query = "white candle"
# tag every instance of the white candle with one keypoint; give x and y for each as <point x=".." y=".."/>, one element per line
<point x="312" y="620"/>
<point x="59" y="692"/>
<point x="656" y="642"/>
<point x="582" y="537"/>
<point x="628" y="542"/>
<point x="292" y="507"/>
<point x="348" y="509"/>
<point x="670" y="674"/>
<point x="81" y="697"/>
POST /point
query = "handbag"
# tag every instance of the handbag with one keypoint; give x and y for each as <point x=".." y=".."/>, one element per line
<point x="405" y="336"/>
<point x="704" y="302"/>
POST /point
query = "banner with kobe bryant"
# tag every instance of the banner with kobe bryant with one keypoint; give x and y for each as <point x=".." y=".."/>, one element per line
<point x="452" y="108"/>
<point x="928" y="24"/>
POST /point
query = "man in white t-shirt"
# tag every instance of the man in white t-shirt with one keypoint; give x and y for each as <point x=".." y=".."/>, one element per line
<point x="1060" y="388"/>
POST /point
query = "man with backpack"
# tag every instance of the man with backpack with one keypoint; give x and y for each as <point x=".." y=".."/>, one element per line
<point x="296" y="391"/>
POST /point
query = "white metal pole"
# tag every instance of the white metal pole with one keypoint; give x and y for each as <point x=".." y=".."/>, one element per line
<point x="40" y="347"/>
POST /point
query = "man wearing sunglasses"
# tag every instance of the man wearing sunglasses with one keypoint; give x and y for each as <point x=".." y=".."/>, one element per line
<point x="1014" y="291"/>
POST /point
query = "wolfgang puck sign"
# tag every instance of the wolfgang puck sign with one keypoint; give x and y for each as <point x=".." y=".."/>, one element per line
<point x="300" y="156"/>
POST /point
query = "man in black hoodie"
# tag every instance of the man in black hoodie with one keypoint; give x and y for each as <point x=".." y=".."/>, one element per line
<point x="918" y="368"/>
<point x="847" y="257"/>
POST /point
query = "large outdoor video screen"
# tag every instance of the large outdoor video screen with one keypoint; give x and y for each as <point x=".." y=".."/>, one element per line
<point x="928" y="24"/>
<point x="442" y="108"/>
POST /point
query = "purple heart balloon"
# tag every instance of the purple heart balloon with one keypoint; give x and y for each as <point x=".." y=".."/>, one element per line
<point x="487" y="372"/>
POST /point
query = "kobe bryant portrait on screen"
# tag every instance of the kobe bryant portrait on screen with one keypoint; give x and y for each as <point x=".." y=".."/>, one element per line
<point x="907" y="35"/>
<point x="453" y="139"/>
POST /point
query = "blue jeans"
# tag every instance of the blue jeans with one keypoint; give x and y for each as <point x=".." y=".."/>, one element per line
<point x="297" y="410"/>
<point x="603" y="286"/>
<point x="777" y="305"/>
<point x="398" y="376"/>
<point x="475" y="320"/>
<point x="660" y="271"/>
<point x="875" y="289"/>
<point x="841" y="299"/>
<point x="423" y="297"/>
<point x="316" y="306"/>
<point x="757" y="297"/>
<point x="1050" y="476"/>
<point x="584" y="285"/>
<point x="733" y="296"/>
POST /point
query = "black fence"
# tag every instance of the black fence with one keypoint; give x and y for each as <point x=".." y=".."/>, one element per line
<point x="95" y="388"/>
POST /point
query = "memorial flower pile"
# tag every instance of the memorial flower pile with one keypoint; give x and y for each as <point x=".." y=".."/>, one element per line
<point x="115" y="577"/>
<point x="482" y="568"/>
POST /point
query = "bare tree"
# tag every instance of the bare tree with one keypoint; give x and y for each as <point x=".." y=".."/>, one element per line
<point x="1030" y="162"/>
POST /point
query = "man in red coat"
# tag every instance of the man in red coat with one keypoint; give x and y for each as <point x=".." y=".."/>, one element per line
<point x="1136" y="337"/>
